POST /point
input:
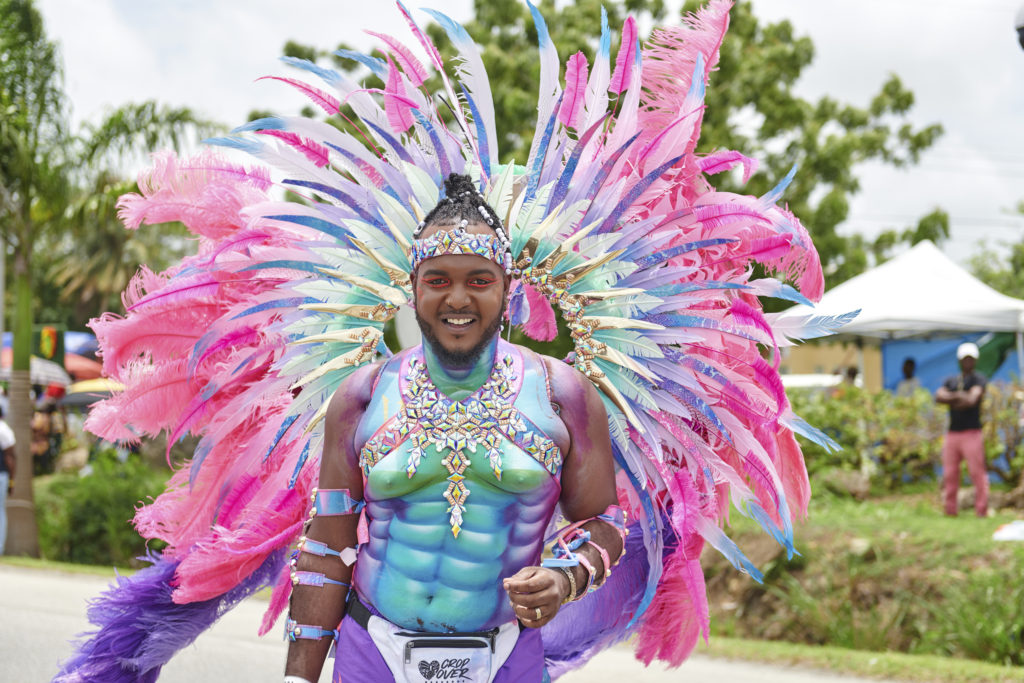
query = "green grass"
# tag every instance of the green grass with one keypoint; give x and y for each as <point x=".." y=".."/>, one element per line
<point x="891" y="574"/>
<point x="883" y="665"/>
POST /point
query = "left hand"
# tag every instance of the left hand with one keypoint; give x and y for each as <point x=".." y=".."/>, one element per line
<point x="533" y="588"/>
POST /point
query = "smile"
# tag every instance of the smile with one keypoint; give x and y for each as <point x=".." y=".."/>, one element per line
<point x="457" y="322"/>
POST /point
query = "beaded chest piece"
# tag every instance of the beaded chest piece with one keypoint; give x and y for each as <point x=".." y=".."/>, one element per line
<point x="459" y="429"/>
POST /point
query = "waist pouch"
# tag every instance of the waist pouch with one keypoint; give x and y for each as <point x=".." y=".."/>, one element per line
<point x="425" y="657"/>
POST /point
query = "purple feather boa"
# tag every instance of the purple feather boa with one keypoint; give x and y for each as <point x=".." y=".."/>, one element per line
<point x="139" y="627"/>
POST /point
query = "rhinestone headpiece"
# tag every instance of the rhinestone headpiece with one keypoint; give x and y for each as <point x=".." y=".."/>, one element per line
<point x="458" y="241"/>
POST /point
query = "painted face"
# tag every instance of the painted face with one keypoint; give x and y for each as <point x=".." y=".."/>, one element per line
<point x="460" y="301"/>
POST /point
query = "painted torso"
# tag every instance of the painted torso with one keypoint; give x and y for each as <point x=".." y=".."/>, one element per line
<point x="448" y="518"/>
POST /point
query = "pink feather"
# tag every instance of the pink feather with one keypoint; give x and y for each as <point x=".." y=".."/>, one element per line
<point x="396" y="105"/>
<point x="325" y="101"/>
<point x="312" y="150"/>
<point x="676" y="618"/>
<point x="541" y="325"/>
<point x="153" y="398"/>
<point x="625" y="61"/>
<point x="411" y="66"/>
<point x="278" y="600"/>
<point x="576" y="74"/>
<point x="724" y="160"/>
<point x="428" y="45"/>
<point x="793" y="473"/>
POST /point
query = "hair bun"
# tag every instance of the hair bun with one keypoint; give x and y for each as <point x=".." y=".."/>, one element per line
<point x="456" y="184"/>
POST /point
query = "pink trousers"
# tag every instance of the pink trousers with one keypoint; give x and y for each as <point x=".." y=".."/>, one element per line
<point x="969" y="446"/>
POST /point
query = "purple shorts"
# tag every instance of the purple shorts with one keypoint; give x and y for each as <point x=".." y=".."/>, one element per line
<point x="358" y="661"/>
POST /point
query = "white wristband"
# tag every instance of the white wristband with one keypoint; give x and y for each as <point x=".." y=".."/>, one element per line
<point x="296" y="679"/>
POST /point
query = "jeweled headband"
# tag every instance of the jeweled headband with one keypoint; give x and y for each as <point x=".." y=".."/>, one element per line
<point x="458" y="241"/>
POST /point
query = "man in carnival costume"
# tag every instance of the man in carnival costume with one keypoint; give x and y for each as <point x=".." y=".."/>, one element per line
<point x="417" y="543"/>
<point x="442" y="540"/>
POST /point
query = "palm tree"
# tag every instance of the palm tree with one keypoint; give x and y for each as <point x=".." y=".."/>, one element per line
<point x="41" y="164"/>
<point x="33" y="183"/>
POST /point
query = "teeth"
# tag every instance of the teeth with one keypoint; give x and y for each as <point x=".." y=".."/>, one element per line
<point x="459" y="321"/>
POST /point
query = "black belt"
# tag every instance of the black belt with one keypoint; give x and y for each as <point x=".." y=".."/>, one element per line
<point x="360" y="613"/>
<point x="357" y="611"/>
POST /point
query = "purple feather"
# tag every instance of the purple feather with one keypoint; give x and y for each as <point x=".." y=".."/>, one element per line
<point x="140" y="627"/>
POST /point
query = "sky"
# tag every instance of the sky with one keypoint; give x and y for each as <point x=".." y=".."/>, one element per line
<point x="961" y="60"/>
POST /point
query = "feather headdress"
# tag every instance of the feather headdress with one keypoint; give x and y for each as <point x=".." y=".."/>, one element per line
<point x="615" y="226"/>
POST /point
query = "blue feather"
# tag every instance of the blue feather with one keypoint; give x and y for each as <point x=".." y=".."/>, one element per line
<point x="329" y="76"/>
<point x="252" y="147"/>
<point x="562" y="186"/>
<point x="290" y="264"/>
<point x="634" y="193"/>
<point x="391" y="142"/>
<point x="376" y="65"/>
<point x="672" y="252"/>
<point x="318" y="224"/>
<point x="439" y="150"/>
<point x="543" y="39"/>
<point x="289" y="421"/>
<point x="298" y="466"/>
<point x="813" y="327"/>
<point x="680" y="320"/>
<point x="776" y="192"/>
<point x="266" y="123"/>
<point x="542" y="150"/>
<point x="343" y="197"/>
<point x="605" y="48"/>
<point x="607" y="167"/>
<point x="289" y="303"/>
<point x="481" y="133"/>
<point x="801" y="427"/>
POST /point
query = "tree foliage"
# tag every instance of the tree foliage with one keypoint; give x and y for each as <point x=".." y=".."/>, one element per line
<point x="752" y="107"/>
<point x="56" y="198"/>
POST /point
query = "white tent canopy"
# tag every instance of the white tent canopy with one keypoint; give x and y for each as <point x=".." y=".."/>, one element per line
<point x="921" y="291"/>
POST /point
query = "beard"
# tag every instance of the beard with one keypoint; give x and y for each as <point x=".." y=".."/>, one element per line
<point x="461" y="359"/>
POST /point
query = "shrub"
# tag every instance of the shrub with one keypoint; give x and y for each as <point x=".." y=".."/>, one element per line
<point x="86" y="517"/>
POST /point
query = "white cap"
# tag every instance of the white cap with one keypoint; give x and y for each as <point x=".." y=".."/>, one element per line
<point x="967" y="349"/>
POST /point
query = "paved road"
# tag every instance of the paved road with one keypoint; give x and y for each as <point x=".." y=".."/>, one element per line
<point x="42" y="611"/>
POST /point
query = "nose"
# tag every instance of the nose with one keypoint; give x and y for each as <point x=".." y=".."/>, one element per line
<point x="458" y="297"/>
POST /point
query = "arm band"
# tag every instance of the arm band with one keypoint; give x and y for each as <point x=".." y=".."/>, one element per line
<point x="296" y="679"/>
<point x="300" y="578"/>
<point x="294" y="631"/>
<point x="314" y="547"/>
<point x="333" y="502"/>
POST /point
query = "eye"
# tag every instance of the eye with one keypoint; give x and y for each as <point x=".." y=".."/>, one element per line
<point x="481" y="282"/>
<point x="436" y="282"/>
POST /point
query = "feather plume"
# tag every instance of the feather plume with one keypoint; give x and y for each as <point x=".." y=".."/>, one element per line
<point x="324" y="100"/>
<point x="575" y="90"/>
<point x="622" y="78"/>
<point x="541" y="325"/>
<point x="411" y="66"/>
<point x="395" y="103"/>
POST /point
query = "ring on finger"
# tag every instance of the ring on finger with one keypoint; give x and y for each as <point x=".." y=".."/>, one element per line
<point x="537" y="611"/>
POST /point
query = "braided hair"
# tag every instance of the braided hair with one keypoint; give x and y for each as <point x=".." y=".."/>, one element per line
<point x="461" y="205"/>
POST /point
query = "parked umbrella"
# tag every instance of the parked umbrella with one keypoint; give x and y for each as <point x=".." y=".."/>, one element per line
<point x="81" y="367"/>
<point x="82" y="394"/>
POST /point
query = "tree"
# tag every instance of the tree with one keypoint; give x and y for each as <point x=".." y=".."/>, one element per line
<point x="826" y="139"/>
<point x="33" y="183"/>
<point x="751" y="108"/>
<point x="42" y="168"/>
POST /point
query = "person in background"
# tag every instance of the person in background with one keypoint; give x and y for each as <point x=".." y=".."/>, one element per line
<point x="964" y="441"/>
<point x="909" y="384"/>
<point x="7" y="465"/>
